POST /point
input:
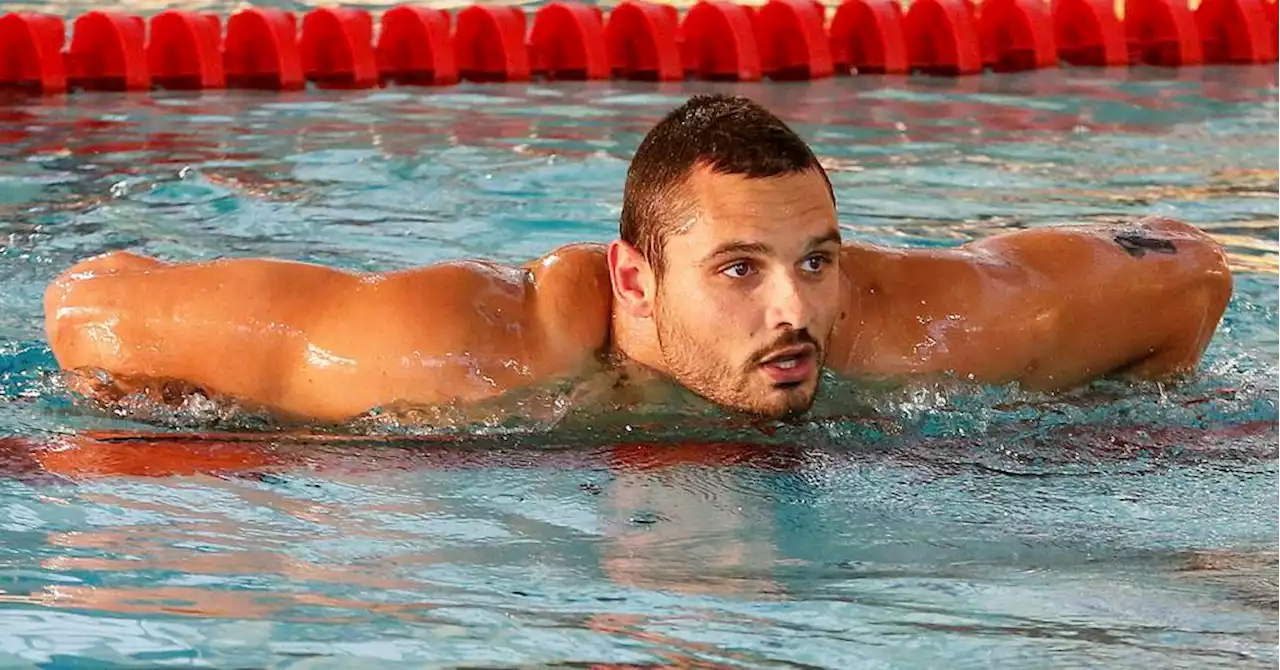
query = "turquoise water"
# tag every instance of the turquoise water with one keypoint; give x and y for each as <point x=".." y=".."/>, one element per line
<point x="1116" y="526"/>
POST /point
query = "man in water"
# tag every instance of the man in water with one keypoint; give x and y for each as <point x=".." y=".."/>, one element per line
<point x="730" y="279"/>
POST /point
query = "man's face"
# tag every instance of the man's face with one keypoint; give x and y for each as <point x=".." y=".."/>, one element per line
<point x="750" y="292"/>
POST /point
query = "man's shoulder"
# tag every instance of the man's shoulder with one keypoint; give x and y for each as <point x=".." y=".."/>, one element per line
<point x="573" y="295"/>
<point x="586" y="258"/>
<point x="875" y="268"/>
<point x="565" y="294"/>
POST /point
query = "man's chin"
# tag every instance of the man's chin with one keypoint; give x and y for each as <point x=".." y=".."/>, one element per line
<point x="765" y="399"/>
<point x="784" y="403"/>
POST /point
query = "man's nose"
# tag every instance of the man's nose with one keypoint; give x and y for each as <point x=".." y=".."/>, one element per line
<point x="788" y="305"/>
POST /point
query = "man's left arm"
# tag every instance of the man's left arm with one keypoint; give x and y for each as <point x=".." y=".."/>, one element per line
<point x="1048" y="308"/>
<point x="1140" y="300"/>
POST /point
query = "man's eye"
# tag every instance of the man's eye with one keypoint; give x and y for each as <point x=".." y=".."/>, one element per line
<point x="815" y="263"/>
<point x="738" y="270"/>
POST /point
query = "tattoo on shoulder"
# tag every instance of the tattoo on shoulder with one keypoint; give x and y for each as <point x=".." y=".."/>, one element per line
<point x="1137" y="244"/>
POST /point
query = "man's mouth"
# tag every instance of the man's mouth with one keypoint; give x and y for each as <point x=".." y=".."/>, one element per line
<point x="789" y="366"/>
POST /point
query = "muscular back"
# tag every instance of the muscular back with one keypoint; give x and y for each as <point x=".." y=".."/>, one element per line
<point x="309" y="341"/>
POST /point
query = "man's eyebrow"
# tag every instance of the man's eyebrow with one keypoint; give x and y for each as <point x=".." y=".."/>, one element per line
<point x="833" y="236"/>
<point x="737" y="247"/>
<point x="762" y="249"/>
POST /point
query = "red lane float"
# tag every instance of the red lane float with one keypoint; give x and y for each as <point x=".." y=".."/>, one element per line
<point x="1162" y="32"/>
<point x="336" y="48"/>
<point x="1235" y="31"/>
<point x="642" y="41"/>
<point x="262" y="50"/>
<point x="867" y="37"/>
<point x="942" y="38"/>
<point x="31" y="53"/>
<point x="1273" y="15"/>
<point x="489" y="44"/>
<point x="1271" y="8"/>
<point x="567" y="42"/>
<point x="108" y="53"/>
<point x="718" y="42"/>
<point x="185" y="51"/>
<point x="672" y="13"/>
<point x="793" y="41"/>
<point x="1088" y="32"/>
<point x="1017" y="35"/>
<point x="415" y="47"/>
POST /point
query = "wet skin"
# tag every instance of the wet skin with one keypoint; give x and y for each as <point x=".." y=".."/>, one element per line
<point x="758" y="295"/>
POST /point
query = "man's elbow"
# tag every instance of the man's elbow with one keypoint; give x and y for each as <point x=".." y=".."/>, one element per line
<point x="72" y="294"/>
<point x="58" y="331"/>
<point x="1201" y="301"/>
<point x="1210" y="279"/>
<point x="69" y="330"/>
<point x="1205" y="279"/>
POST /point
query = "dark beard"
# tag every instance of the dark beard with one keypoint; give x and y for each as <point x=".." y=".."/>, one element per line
<point x="710" y="378"/>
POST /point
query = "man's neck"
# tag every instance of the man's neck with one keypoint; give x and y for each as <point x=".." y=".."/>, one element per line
<point x="635" y="341"/>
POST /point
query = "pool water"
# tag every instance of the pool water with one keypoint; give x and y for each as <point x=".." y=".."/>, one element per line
<point x="1121" y="525"/>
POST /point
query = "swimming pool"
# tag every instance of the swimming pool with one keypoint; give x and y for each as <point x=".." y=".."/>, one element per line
<point x="1120" y="526"/>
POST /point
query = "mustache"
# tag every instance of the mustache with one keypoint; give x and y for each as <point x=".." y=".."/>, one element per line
<point x="791" y="338"/>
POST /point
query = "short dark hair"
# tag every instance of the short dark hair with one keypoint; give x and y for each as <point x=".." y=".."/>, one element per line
<point x="726" y="134"/>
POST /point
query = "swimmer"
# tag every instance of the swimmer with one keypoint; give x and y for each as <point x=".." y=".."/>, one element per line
<point x="730" y="280"/>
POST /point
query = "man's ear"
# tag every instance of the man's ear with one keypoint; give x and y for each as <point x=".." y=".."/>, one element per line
<point x="632" y="279"/>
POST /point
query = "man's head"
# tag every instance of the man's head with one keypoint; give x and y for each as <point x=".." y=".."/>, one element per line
<point x="726" y="276"/>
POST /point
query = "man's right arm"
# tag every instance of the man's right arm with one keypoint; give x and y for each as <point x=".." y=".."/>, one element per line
<point x="314" y="343"/>
<point x="233" y="327"/>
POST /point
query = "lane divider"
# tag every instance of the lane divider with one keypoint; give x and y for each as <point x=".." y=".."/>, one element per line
<point x="718" y="42"/>
<point x="642" y="41"/>
<point x="1162" y="33"/>
<point x="415" y="48"/>
<point x="1274" y="18"/>
<point x="868" y="36"/>
<point x="490" y="44"/>
<point x="1270" y="9"/>
<point x="1236" y="31"/>
<point x="1089" y="33"/>
<point x="185" y="51"/>
<point x="1016" y="35"/>
<point x="793" y="39"/>
<point x="781" y="40"/>
<point x="942" y="38"/>
<point x="568" y="42"/>
<point x="337" y="50"/>
<point x="261" y="50"/>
